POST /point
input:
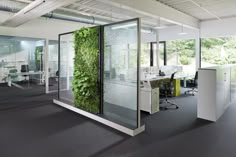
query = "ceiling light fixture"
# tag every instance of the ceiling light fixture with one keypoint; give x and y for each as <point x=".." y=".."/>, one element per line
<point x="124" y="26"/>
<point x="34" y="5"/>
<point x="159" y="26"/>
<point x="182" y="31"/>
<point x="146" y="31"/>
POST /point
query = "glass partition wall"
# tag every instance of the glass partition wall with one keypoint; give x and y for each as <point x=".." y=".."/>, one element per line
<point x="121" y="66"/>
<point x="117" y="84"/>
<point x="176" y="52"/>
<point x="66" y="66"/>
<point x="52" y="66"/>
<point x="21" y="61"/>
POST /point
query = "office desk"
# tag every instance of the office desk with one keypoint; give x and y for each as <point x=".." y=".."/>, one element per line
<point x="9" y="78"/>
<point x="178" y="76"/>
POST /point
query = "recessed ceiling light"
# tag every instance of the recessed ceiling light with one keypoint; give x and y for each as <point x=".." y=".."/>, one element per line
<point x="182" y="33"/>
<point x="146" y="31"/>
<point x="160" y="27"/>
<point x="124" y="26"/>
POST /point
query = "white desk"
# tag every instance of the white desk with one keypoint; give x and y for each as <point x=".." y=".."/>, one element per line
<point x="9" y="78"/>
<point x="177" y="76"/>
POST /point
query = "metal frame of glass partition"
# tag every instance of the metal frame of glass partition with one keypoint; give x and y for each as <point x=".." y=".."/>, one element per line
<point x="152" y="52"/>
<point x="59" y="60"/>
<point x="139" y="128"/>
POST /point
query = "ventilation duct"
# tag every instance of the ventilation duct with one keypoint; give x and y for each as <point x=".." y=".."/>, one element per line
<point x="62" y="15"/>
<point x="57" y="15"/>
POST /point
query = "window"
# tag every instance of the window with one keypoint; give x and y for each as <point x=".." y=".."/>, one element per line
<point x="182" y="52"/>
<point x="161" y="51"/>
<point x="218" y="51"/>
<point x="145" y="55"/>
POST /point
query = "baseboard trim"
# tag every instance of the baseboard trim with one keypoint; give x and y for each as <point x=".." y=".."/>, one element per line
<point x="101" y="120"/>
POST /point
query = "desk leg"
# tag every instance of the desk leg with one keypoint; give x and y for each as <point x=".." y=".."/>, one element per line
<point x="177" y="87"/>
<point x="9" y="81"/>
<point x="185" y="82"/>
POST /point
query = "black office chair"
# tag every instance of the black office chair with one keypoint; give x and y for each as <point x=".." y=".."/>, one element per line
<point x="25" y="68"/>
<point x="193" y="85"/>
<point x="166" y="91"/>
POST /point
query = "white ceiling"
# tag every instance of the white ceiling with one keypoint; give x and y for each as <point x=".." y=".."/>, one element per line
<point x="97" y="8"/>
<point x="34" y="10"/>
<point x="204" y="9"/>
<point x="200" y="9"/>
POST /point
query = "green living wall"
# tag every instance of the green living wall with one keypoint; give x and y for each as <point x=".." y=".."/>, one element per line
<point x="85" y="81"/>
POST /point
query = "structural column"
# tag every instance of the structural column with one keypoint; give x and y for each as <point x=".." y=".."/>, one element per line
<point x="67" y="66"/>
<point x="197" y="51"/>
<point x="157" y="50"/>
<point x="46" y="67"/>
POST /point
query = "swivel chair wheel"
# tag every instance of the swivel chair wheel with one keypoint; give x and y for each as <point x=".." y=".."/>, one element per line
<point x="177" y="107"/>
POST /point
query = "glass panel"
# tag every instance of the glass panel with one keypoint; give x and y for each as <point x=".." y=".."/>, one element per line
<point x="182" y="52"/>
<point x="66" y="67"/>
<point x="145" y="55"/>
<point x="21" y="62"/>
<point x="233" y="83"/>
<point x="161" y="50"/>
<point x="53" y="65"/>
<point x="120" y="73"/>
<point x="218" y="51"/>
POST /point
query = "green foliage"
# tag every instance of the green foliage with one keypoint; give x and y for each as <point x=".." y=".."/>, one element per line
<point x="184" y="60"/>
<point x="219" y="51"/>
<point x="182" y="47"/>
<point x="85" y="80"/>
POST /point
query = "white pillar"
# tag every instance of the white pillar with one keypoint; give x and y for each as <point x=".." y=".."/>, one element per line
<point x="46" y="67"/>
<point x="197" y="52"/>
<point x="157" y="50"/>
<point x="67" y="66"/>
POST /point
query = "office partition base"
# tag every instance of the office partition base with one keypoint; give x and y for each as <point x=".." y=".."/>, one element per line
<point x="101" y="120"/>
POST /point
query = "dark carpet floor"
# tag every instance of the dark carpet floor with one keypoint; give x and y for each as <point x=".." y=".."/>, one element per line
<point x="32" y="126"/>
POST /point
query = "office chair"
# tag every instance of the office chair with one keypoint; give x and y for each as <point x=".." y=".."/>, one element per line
<point x="166" y="90"/>
<point x="193" y="85"/>
<point x="25" y="68"/>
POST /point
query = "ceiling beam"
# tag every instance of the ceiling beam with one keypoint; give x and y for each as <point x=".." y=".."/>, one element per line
<point x="156" y="9"/>
<point x="34" y="10"/>
<point x="204" y="9"/>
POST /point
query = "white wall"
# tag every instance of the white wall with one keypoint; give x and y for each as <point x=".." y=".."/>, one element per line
<point x="148" y="37"/>
<point x="213" y="28"/>
<point x="39" y="28"/>
<point x="218" y="28"/>
<point x="171" y="33"/>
